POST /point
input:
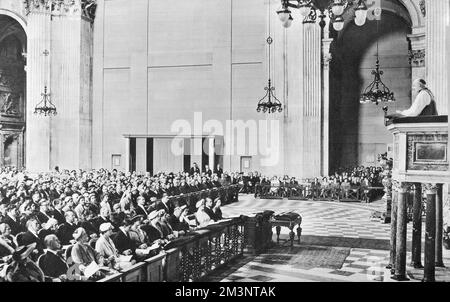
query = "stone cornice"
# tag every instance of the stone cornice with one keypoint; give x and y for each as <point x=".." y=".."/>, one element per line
<point x="83" y="8"/>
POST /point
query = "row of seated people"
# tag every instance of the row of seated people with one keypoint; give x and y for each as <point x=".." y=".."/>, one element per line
<point x="113" y="247"/>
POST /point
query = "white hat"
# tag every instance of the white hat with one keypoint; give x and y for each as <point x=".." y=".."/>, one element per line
<point x="105" y="227"/>
<point x="200" y="203"/>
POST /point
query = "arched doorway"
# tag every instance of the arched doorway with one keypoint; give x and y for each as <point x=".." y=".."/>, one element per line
<point x="13" y="45"/>
<point x="357" y="131"/>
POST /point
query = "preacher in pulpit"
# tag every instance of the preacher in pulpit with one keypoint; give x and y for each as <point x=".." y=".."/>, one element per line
<point x="423" y="105"/>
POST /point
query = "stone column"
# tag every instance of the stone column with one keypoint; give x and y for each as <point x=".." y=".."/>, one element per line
<point x="430" y="233"/>
<point x="72" y="41"/>
<point x="392" y="262"/>
<point x="326" y="59"/>
<point x="439" y="226"/>
<point x="38" y="54"/>
<point x="311" y="99"/>
<point x="60" y="57"/>
<point x="400" y="245"/>
<point x="437" y="22"/>
<point x="416" y="261"/>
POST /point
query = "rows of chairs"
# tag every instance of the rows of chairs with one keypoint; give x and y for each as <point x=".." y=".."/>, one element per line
<point x="309" y="192"/>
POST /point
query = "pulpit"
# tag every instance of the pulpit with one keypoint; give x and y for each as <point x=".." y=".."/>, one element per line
<point x="420" y="163"/>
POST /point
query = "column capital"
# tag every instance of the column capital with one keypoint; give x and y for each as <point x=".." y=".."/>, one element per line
<point x="401" y="187"/>
<point x="430" y="188"/>
<point x="417" y="57"/>
<point x="82" y="8"/>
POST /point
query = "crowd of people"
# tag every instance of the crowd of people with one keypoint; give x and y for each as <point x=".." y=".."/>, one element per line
<point x="343" y="180"/>
<point x="82" y="225"/>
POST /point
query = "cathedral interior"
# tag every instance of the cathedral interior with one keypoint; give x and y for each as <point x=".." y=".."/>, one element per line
<point x="284" y="124"/>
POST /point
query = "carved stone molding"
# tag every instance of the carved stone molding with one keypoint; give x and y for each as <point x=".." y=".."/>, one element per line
<point x="401" y="187"/>
<point x="417" y="57"/>
<point x="430" y="188"/>
<point x="423" y="7"/>
<point x="326" y="60"/>
<point x="85" y="8"/>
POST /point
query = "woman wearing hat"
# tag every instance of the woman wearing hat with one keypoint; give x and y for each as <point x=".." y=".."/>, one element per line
<point x="82" y="253"/>
<point x="21" y="268"/>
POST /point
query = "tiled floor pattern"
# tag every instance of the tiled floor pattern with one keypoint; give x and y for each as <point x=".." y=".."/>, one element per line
<point x="320" y="219"/>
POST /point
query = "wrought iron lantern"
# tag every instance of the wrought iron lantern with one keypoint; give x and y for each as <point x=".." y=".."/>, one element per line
<point x="45" y="106"/>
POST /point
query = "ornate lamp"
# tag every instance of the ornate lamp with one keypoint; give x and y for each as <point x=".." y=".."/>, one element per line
<point x="269" y="103"/>
<point x="377" y="92"/>
<point x="45" y="106"/>
<point x="335" y="9"/>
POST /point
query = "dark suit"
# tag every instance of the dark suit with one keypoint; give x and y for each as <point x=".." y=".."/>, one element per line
<point x="123" y="242"/>
<point x="152" y="233"/>
<point x="59" y="216"/>
<point x="193" y="170"/>
<point x="43" y="218"/>
<point x="141" y="211"/>
<point x="15" y="226"/>
<point x="167" y="207"/>
<point x="211" y="214"/>
<point x="29" y="238"/>
<point x="65" y="233"/>
<point x="52" y="265"/>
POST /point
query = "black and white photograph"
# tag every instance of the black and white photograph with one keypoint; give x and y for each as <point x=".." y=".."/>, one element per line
<point x="224" y="146"/>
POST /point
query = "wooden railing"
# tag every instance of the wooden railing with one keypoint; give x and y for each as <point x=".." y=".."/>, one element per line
<point x="310" y="192"/>
<point x="192" y="257"/>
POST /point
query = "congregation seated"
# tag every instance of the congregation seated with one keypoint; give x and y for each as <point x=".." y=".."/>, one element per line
<point x="7" y="244"/>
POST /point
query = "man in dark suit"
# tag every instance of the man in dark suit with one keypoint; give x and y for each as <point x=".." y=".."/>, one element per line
<point x="164" y="204"/>
<point x="52" y="263"/>
<point x="104" y="217"/>
<point x="65" y="231"/>
<point x="218" y="170"/>
<point x="122" y="240"/>
<point x="31" y="236"/>
<point x="194" y="169"/>
<point x="57" y="213"/>
<point x="140" y="209"/>
<point x="12" y="219"/>
<point x="208" y="209"/>
<point x="43" y="214"/>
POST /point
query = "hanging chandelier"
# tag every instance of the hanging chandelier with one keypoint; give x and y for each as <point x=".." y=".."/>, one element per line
<point x="335" y="10"/>
<point x="377" y="92"/>
<point x="269" y="103"/>
<point x="45" y="106"/>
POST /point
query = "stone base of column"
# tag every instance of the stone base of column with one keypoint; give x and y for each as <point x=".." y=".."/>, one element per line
<point x="416" y="264"/>
<point x="400" y="278"/>
<point x="431" y="279"/>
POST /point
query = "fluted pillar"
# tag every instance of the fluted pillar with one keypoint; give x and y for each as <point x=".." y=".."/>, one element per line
<point x="400" y="243"/>
<point x="430" y="233"/>
<point x="38" y="75"/>
<point x="311" y="99"/>
<point x="326" y="58"/>
<point x="60" y="57"/>
<point x="437" y="22"/>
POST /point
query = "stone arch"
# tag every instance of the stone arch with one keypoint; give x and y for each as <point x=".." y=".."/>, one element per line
<point x="19" y="18"/>
<point x="417" y="18"/>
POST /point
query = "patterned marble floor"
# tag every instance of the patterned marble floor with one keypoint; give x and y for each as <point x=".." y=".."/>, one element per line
<point x="335" y="222"/>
